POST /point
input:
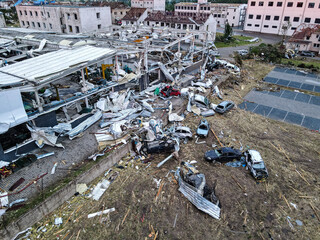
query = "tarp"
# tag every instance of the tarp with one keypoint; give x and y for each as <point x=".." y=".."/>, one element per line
<point x="12" y="110"/>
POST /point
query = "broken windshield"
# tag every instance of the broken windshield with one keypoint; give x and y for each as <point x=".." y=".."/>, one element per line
<point x="259" y="165"/>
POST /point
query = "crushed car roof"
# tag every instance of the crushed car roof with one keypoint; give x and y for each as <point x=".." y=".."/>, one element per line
<point x="255" y="155"/>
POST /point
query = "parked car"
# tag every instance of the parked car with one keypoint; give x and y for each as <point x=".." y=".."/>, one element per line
<point x="256" y="165"/>
<point x="307" y="54"/>
<point x="168" y="91"/>
<point x="224" y="106"/>
<point x="223" y="155"/>
<point x="242" y="52"/>
<point x="203" y="128"/>
<point x="182" y="132"/>
<point x="159" y="146"/>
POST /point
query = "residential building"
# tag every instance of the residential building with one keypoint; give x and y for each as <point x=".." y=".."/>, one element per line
<point x="118" y="10"/>
<point x="2" y="20"/>
<point x="234" y="14"/>
<point x="281" y="17"/>
<point x="70" y="19"/>
<point x="156" y="5"/>
<point x="205" y="25"/>
<point x="135" y="16"/>
<point x="305" y="38"/>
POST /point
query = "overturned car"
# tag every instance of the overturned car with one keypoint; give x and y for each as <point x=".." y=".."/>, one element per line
<point x="159" y="146"/>
<point x="256" y="165"/>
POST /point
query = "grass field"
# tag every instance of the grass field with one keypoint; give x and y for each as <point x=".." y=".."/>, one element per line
<point x="239" y="41"/>
<point x="296" y="62"/>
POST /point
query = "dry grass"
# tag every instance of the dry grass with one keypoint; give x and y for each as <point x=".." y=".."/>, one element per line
<point x="291" y="154"/>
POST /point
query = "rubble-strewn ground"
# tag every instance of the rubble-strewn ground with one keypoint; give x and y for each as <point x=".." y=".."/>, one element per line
<point x="249" y="210"/>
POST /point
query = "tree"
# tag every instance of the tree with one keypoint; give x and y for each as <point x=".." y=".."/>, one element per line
<point x="228" y="32"/>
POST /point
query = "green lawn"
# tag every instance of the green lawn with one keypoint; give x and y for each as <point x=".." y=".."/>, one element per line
<point x="239" y="41"/>
<point x="306" y="62"/>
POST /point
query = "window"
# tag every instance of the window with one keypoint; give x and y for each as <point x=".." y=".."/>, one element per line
<point x="36" y="14"/>
<point x="293" y="28"/>
<point x="250" y="16"/>
<point x="76" y="16"/>
<point x="39" y="25"/>
<point x="70" y="28"/>
<point x="99" y="26"/>
<point x="317" y="20"/>
<point x="33" y="25"/>
<point x="316" y="45"/>
<point x="28" y="24"/>
<point x="44" y="25"/>
<point x="50" y="25"/>
<point x="286" y="18"/>
<point x="308" y="38"/>
<point x="98" y="15"/>
<point x="274" y="26"/>
<point x="270" y="4"/>
<point x="25" y="12"/>
<point x="311" y="5"/>
<point x="249" y="25"/>
<point x="258" y="17"/>
<point x="256" y="25"/>
<point x="307" y="20"/>
<point x="41" y="13"/>
<point x="276" y="18"/>
<point x="290" y="4"/>
<point x="253" y="3"/>
<point x="279" y="4"/>
<point x="268" y="17"/>
<point x="20" y="12"/>
<point x="23" y="23"/>
<point x="48" y="14"/>
<point x="261" y="4"/>
<point x="30" y="13"/>
<point x="296" y="19"/>
<point x="68" y="16"/>
<point x="265" y="26"/>
<point x="299" y="4"/>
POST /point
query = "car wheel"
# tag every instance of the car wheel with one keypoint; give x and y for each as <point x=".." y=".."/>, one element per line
<point x="166" y="144"/>
<point x="145" y="149"/>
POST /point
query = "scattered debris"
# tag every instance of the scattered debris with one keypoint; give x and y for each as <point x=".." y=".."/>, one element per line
<point x="91" y="215"/>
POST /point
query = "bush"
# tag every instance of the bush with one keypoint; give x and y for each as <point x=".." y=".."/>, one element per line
<point x="301" y="65"/>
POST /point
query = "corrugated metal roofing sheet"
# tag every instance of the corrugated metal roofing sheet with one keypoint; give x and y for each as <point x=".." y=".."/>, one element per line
<point x="40" y="68"/>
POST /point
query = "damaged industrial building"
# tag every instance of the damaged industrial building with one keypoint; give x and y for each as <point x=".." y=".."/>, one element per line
<point x="134" y="123"/>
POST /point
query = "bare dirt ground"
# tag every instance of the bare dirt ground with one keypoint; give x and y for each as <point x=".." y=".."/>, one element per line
<point x="249" y="210"/>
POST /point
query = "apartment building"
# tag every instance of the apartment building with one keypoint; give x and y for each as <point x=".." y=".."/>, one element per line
<point x="118" y="11"/>
<point x="305" y="38"/>
<point x="234" y="14"/>
<point x="281" y="17"/>
<point x="151" y="5"/>
<point x="135" y="16"/>
<point x="68" y="19"/>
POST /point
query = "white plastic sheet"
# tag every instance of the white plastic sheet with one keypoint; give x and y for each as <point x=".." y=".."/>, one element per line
<point x="12" y="110"/>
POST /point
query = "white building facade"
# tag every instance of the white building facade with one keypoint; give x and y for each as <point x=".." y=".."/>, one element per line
<point x="65" y="19"/>
<point x="234" y="14"/>
<point x="281" y="17"/>
<point x="152" y="5"/>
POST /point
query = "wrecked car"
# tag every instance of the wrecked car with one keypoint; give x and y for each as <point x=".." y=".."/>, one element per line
<point x="223" y="155"/>
<point x="200" y="101"/>
<point x="203" y="128"/>
<point x="192" y="185"/>
<point x="182" y="132"/>
<point x="256" y="165"/>
<point x="159" y="146"/>
<point x="168" y="91"/>
<point x="224" y="106"/>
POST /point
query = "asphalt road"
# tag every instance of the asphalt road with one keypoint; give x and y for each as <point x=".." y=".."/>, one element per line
<point x="265" y="38"/>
